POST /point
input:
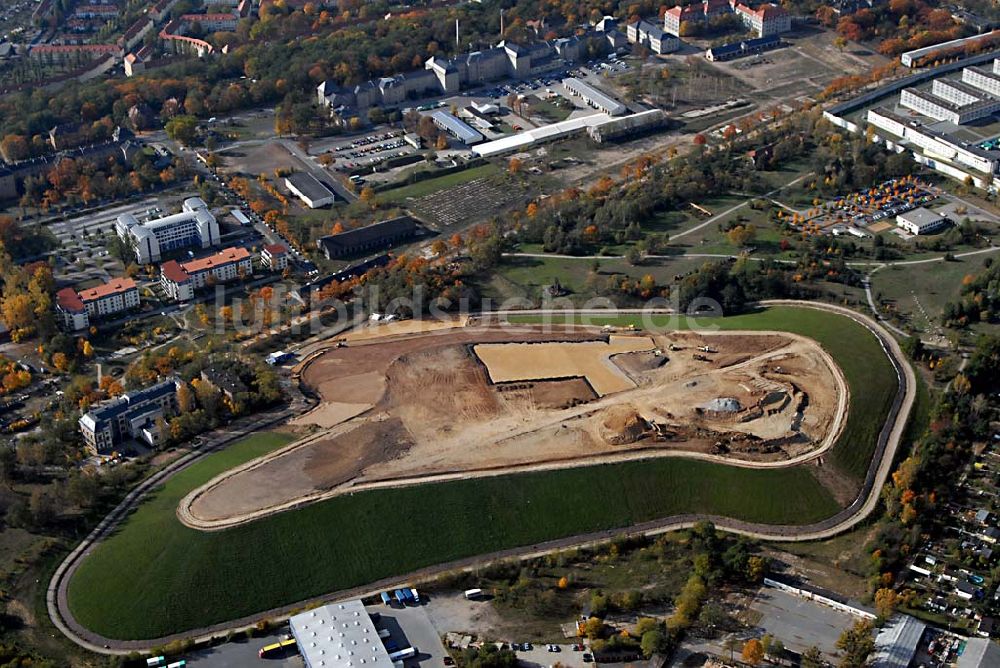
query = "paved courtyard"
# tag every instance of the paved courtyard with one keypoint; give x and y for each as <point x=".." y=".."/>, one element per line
<point x="800" y="623"/>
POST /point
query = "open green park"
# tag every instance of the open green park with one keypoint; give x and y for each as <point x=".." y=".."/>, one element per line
<point x="154" y="576"/>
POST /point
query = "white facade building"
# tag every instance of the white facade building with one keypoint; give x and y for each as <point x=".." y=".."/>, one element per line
<point x="193" y="226"/>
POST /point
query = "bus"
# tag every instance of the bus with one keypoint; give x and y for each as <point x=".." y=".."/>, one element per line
<point x="177" y="664"/>
<point x="276" y="649"/>
<point x="156" y="661"/>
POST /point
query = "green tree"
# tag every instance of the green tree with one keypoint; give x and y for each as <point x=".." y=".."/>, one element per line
<point x="182" y="129"/>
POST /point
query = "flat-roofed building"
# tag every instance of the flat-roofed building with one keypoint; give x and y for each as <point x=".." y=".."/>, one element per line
<point x="78" y="309"/>
<point x="193" y="226"/>
<point x="181" y="280"/>
<point x="937" y="146"/>
<point x="366" y="239"/>
<point x="594" y="97"/>
<point x="984" y="79"/>
<point x="309" y="189"/>
<point x="456" y="127"/>
<point x="941" y="109"/>
<point x="921" y="221"/>
<point x="339" y="635"/>
<point x="132" y="415"/>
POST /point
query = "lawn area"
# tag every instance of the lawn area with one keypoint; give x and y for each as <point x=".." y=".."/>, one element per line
<point x="930" y="285"/>
<point x="869" y="373"/>
<point x="155" y="576"/>
<point x="524" y="277"/>
<point x="415" y="190"/>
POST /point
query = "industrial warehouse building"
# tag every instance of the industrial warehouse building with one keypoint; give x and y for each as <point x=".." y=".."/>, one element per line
<point x="339" y="635"/>
<point x="366" y="239"/>
<point x="193" y="226"/>
<point x="309" y="189"/>
<point x="594" y="97"/>
<point x="456" y="127"/>
<point x="921" y="221"/>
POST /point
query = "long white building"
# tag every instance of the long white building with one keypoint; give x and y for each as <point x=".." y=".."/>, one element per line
<point x="193" y="226"/>
<point x="935" y="105"/>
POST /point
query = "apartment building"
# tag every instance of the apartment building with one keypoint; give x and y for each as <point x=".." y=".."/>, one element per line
<point x="193" y="226"/>
<point x="132" y="415"/>
<point x="648" y="34"/>
<point x="274" y="257"/>
<point x="78" y="309"/>
<point x="181" y="280"/>
<point x="765" y="20"/>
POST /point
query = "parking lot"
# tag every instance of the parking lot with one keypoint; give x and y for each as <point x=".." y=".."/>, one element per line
<point x="408" y="626"/>
<point x="800" y="623"/>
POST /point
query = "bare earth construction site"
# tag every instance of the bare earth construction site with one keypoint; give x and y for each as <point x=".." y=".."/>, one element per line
<point x="485" y="400"/>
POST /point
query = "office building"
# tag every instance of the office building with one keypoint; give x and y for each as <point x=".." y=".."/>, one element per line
<point x="921" y="221"/>
<point x="132" y="415"/>
<point x="194" y="226"/>
<point x="939" y="108"/>
<point x="181" y="280"/>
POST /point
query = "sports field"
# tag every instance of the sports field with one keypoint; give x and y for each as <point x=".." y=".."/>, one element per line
<point x="155" y="576"/>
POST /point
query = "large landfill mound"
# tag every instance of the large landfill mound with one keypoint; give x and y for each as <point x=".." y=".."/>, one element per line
<point x="485" y="400"/>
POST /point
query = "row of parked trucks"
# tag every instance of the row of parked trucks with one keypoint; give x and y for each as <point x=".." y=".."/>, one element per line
<point x="403" y="596"/>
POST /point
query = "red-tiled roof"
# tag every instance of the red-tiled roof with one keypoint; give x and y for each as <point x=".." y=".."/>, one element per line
<point x="110" y="288"/>
<point x="68" y="300"/>
<point x="275" y="249"/>
<point x="223" y="257"/>
<point x="174" y="272"/>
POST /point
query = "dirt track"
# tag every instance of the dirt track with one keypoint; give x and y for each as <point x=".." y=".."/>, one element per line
<point x="403" y="411"/>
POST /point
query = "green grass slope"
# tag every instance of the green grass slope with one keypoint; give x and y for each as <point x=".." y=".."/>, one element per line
<point x="155" y="576"/>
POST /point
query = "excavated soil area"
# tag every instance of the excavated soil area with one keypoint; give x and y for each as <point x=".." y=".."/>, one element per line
<point x="482" y="401"/>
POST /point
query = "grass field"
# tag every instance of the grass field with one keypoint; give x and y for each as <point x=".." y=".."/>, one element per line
<point x="421" y="188"/>
<point x="156" y="577"/>
<point x="869" y="374"/>
<point x="930" y="286"/>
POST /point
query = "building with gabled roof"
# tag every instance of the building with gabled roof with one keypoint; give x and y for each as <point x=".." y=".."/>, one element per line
<point x="378" y="236"/>
<point x="181" y="280"/>
<point x="78" y="309"/>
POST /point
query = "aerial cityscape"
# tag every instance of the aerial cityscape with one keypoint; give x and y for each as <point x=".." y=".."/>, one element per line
<point x="496" y="333"/>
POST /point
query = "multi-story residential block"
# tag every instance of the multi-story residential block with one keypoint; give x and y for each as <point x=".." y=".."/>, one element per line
<point x="651" y="36"/>
<point x="766" y="20"/>
<point x="78" y="309"/>
<point x="132" y="415"/>
<point x="274" y="257"/>
<point x="193" y="226"/>
<point x="181" y="280"/>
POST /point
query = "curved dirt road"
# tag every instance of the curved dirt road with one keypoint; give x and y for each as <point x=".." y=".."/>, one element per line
<point x="889" y="440"/>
